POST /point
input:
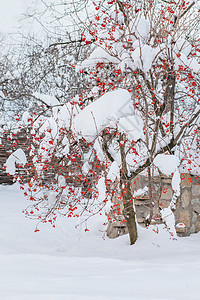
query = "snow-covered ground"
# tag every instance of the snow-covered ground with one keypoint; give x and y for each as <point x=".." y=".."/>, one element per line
<point x="69" y="264"/>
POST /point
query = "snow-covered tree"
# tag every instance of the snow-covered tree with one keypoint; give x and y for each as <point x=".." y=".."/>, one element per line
<point x="153" y="45"/>
<point x="144" y="84"/>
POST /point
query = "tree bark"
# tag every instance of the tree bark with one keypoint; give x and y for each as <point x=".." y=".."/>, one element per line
<point x="125" y="187"/>
<point x="130" y="215"/>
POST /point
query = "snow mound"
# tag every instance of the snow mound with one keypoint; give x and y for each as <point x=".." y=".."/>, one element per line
<point x="99" y="114"/>
<point x="132" y="126"/>
<point x="167" y="164"/>
<point x="114" y="172"/>
<point x="98" y="55"/>
<point x="17" y="157"/>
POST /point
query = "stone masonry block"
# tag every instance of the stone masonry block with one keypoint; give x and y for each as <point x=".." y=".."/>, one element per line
<point x="186" y="181"/>
<point x="185" y="218"/>
<point x="166" y="192"/>
<point x="195" y="201"/>
<point x="196" y="208"/>
<point x="185" y="198"/>
<point x="196" y="190"/>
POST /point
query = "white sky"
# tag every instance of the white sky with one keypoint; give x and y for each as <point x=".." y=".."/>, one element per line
<point x="10" y="13"/>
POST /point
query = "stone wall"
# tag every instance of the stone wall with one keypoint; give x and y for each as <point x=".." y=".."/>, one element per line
<point x="9" y="143"/>
<point x="4" y="178"/>
<point x="187" y="212"/>
<point x="188" y="205"/>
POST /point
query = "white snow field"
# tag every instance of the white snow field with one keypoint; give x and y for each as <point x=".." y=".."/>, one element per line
<point x="70" y="264"/>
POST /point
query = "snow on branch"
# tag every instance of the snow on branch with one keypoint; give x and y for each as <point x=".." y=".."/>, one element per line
<point x="107" y="110"/>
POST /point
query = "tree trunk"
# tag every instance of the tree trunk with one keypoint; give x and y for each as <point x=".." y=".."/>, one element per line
<point x="129" y="215"/>
<point x="125" y="187"/>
